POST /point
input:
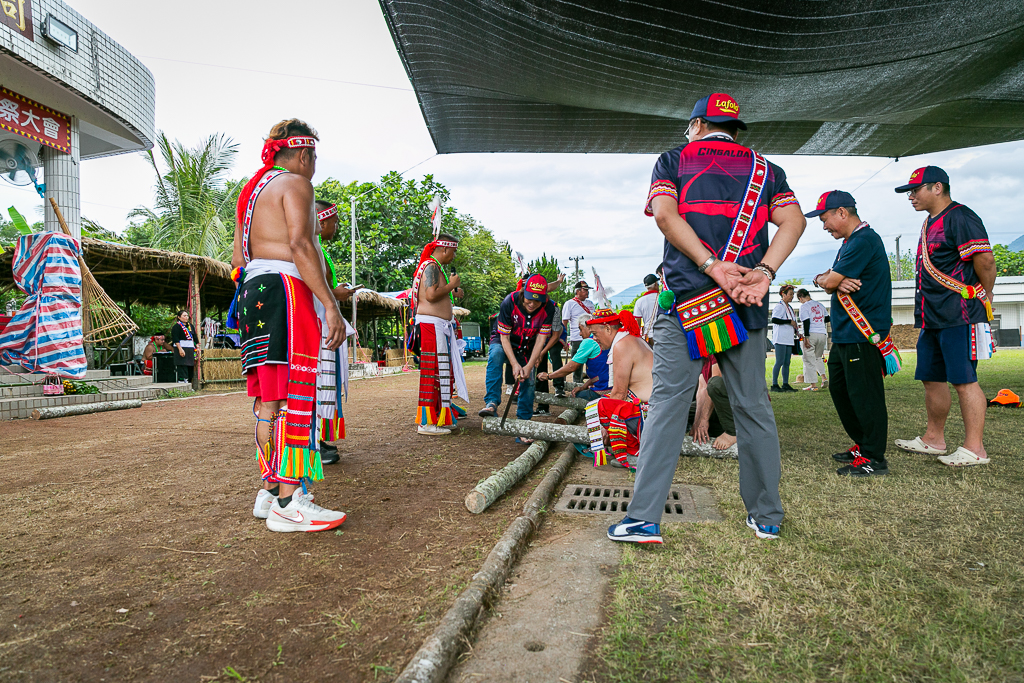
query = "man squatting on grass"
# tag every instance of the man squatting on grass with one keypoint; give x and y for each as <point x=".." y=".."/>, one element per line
<point x="715" y="192"/>
<point x="433" y="304"/>
<point x="861" y="289"/>
<point x="278" y="266"/>
<point x="953" y="309"/>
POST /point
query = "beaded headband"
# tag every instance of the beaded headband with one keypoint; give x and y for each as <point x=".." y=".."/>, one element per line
<point x="446" y="243"/>
<point x="332" y="210"/>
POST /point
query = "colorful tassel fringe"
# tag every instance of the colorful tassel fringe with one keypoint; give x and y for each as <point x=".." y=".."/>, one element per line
<point x="716" y="336"/>
<point x="893" y="360"/>
<point x="332" y="430"/>
<point x="427" y="416"/>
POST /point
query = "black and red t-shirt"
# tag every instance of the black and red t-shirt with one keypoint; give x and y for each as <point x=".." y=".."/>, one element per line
<point x="523" y="327"/>
<point x="708" y="179"/>
<point x="954" y="237"/>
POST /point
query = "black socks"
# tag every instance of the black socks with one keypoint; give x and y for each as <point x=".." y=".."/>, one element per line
<point x="283" y="502"/>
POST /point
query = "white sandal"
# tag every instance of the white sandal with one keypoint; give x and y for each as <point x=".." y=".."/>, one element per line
<point x="916" y="445"/>
<point x="962" y="457"/>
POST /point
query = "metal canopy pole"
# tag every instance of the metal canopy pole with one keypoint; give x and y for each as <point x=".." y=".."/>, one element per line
<point x="355" y="295"/>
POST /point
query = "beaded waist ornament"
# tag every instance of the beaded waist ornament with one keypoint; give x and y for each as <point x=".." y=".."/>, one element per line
<point x="707" y="315"/>
<point x="893" y="361"/>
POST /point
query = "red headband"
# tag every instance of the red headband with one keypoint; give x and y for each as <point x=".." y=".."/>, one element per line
<point x="270" y="150"/>
<point x="429" y="249"/>
<point x="624" y="318"/>
<point x="331" y="210"/>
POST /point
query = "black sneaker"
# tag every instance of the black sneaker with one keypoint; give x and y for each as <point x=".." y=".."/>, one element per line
<point x="776" y="388"/>
<point x="847" y="456"/>
<point x="328" y="454"/>
<point x="542" y="411"/>
<point x="560" y="393"/>
<point x="786" y="387"/>
<point x="862" y="467"/>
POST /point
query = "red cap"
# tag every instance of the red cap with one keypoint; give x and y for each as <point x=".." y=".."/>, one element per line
<point x="536" y="288"/>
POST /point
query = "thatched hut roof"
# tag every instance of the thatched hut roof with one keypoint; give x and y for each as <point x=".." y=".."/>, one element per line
<point x="147" y="276"/>
<point x="154" y="276"/>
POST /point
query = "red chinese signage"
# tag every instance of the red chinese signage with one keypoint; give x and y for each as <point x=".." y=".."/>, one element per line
<point x="23" y="116"/>
<point x="18" y="15"/>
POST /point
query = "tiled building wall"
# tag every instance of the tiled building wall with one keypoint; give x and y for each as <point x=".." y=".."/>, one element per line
<point x="60" y="171"/>
<point x="101" y="71"/>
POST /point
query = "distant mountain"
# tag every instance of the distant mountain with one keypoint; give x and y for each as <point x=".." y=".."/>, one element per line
<point x="1017" y="244"/>
<point x="626" y="295"/>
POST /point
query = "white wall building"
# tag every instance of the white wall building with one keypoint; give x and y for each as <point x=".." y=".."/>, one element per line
<point x="1008" y="296"/>
<point x="69" y="93"/>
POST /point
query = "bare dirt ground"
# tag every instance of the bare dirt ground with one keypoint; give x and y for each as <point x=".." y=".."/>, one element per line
<point x="129" y="550"/>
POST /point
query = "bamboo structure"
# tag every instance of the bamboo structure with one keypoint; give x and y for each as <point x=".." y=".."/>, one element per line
<point x="102" y="319"/>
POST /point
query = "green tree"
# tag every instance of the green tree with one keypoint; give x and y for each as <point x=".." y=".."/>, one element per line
<point x="393" y="225"/>
<point x="795" y="281"/>
<point x="1008" y="262"/>
<point x="906" y="265"/>
<point x="549" y="268"/>
<point x="195" y="204"/>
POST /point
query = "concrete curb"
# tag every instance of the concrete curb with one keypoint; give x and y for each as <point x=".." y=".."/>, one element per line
<point x="435" y="658"/>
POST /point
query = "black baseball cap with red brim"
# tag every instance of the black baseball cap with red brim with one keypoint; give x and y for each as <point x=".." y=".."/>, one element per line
<point x="923" y="176"/>
<point x="832" y="200"/>
<point x="718" y="107"/>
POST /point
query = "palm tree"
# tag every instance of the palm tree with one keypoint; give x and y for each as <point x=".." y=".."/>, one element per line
<point x="194" y="211"/>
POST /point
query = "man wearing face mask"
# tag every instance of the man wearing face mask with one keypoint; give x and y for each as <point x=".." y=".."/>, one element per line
<point x="713" y="199"/>
<point x="861" y="290"/>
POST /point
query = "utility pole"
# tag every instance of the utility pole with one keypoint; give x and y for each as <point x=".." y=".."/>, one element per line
<point x="899" y="260"/>
<point x="353" y="283"/>
<point x="577" y="274"/>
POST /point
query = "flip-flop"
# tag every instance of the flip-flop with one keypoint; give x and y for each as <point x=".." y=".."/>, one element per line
<point x="520" y="439"/>
<point x="916" y="445"/>
<point x="583" y="450"/>
<point x="962" y="457"/>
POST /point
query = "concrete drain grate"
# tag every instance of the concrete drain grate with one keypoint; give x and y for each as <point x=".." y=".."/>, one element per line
<point x="684" y="503"/>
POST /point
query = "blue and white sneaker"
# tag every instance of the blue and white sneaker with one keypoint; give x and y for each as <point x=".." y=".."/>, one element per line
<point x="635" y="531"/>
<point x="762" y="530"/>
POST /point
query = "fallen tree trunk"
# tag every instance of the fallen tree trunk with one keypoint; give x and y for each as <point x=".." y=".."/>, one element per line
<point x="547" y="431"/>
<point x="495" y="486"/>
<point x="544" y="431"/>
<point x="563" y="401"/>
<point x="83" y="409"/>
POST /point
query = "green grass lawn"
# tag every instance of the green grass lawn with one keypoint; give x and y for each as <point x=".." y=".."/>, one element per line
<point x="917" y="576"/>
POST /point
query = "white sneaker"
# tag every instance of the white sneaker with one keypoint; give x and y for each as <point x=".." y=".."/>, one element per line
<point x="433" y="430"/>
<point x="264" y="499"/>
<point x="302" y="514"/>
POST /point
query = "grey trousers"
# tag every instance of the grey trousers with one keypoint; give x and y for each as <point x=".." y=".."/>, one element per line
<point x="675" y="378"/>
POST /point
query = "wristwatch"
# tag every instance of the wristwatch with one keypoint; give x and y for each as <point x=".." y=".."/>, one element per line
<point x="702" y="268"/>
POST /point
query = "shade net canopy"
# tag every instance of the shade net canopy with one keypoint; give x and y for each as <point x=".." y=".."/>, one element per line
<point x="877" y="78"/>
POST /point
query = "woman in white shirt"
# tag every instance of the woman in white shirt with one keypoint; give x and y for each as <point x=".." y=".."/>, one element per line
<point x="785" y="333"/>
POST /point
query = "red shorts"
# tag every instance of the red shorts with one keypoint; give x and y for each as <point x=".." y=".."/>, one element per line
<point x="268" y="382"/>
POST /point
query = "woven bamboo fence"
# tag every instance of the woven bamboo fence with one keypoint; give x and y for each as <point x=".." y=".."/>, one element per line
<point x="221" y="365"/>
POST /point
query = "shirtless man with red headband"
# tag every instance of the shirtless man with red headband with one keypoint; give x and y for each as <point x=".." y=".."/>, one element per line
<point x="615" y="421"/>
<point x="283" y="301"/>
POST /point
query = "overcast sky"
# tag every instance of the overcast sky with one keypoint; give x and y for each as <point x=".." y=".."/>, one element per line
<point x="229" y="66"/>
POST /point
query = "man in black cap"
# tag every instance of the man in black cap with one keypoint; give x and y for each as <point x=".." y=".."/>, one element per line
<point x="571" y="312"/>
<point x="953" y="309"/>
<point x="713" y="199"/>
<point x="645" y="310"/>
<point x="860" y="274"/>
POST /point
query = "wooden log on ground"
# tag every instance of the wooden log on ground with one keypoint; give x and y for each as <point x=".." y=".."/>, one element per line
<point x="706" y="450"/>
<point x="83" y="409"/>
<point x="495" y="486"/>
<point x="566" y="401"/>
<point x="567" y="417"/>
<point x="543" y="431"/>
